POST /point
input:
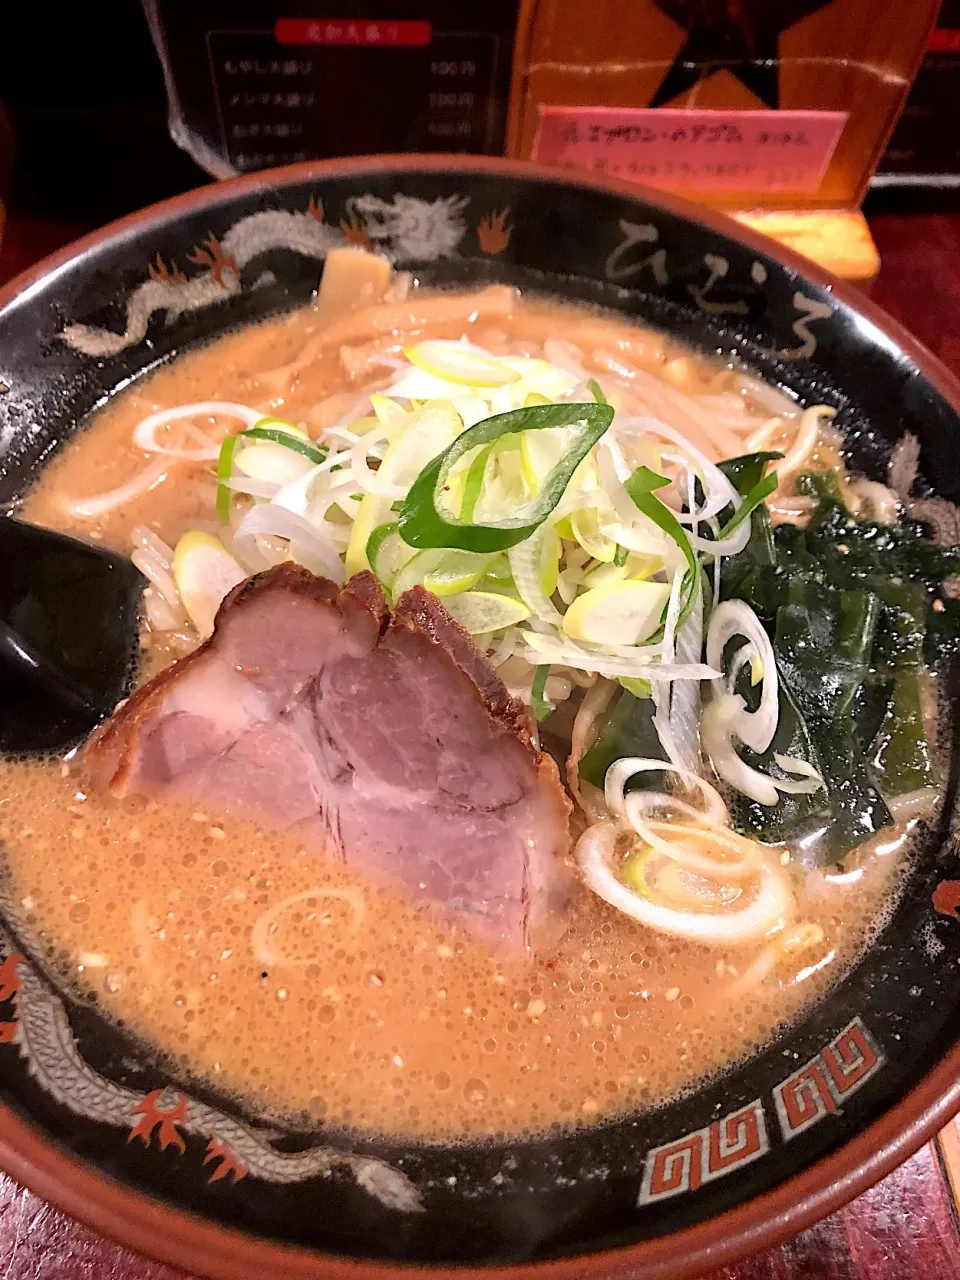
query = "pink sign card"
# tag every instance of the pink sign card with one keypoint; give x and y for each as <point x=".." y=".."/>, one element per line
<point x="780" y="152"/>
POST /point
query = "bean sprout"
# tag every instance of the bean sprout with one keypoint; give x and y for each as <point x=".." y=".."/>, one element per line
<point x="102" y="504"/>
<point x="145" y="432"/>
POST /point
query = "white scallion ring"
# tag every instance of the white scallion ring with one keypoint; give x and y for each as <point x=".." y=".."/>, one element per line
<point x="768" y="909"/>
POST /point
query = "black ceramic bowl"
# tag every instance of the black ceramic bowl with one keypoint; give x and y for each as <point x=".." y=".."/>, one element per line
<point x="835" y="1103"/>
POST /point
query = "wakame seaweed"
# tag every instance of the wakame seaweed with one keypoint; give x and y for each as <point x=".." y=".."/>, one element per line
<point x="628" y="730"/>
<point x="855" y="610"/>
<point x="845" y="553"/>
<point x="822" y="642"/>
<point x="856" y="614"/>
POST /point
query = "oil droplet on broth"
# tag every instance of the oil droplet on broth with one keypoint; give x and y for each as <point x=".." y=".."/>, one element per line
<point x="475" y="1092"/>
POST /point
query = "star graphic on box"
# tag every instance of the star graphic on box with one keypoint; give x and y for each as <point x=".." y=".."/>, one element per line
<point x="739" y="36"/>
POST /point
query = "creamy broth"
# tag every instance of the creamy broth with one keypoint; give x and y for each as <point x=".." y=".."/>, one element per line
<point x="396" y="1022"/>
<point x="372" y="1012"/>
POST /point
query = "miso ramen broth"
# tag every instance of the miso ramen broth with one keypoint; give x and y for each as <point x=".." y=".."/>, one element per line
<point x="311" y="990"/>
<point x="379" y="1016"/>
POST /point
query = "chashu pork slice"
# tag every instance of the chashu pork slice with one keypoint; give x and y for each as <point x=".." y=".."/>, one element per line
<point x="387" y="741"/>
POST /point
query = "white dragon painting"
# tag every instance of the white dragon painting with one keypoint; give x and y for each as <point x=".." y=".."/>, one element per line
<point x="404" y="228"/>
<point x="40" y="1030"/>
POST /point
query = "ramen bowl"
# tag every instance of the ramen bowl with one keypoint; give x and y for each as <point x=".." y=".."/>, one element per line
<point x="90" y="1121"/>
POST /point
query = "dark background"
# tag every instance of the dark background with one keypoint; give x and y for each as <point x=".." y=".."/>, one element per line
<point x="84" y="91"/>
<point x="83" y="88"/>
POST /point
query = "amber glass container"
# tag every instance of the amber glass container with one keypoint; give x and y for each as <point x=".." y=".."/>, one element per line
<point x="849" y="61"/>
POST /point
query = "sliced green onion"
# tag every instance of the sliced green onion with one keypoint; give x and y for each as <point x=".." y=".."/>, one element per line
<point x="224" y="472"/>
<point x="277" y="435"/>
<point x="384" y="552"/>
<point x="474" y="483"/>
<point x="423" y="525"/>
<point x="375" y="541"/>
<point x="500" y="573"/>
<point x="641" y="486"/>
<point x="639" y="687"/>
<point x="539" y="704"/>
<point x="595" y="389"/>
<point x="484" y="612"/>
<point x="281" y="424"/>
<point x="284" y="433"/>
<point x="444" y="571"/>
<point x="585" y="527"/>
<point x="634" y="870"/>
<point x="761" y="490"/>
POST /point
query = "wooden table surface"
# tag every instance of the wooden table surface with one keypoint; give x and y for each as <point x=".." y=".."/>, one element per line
<point x="905" y="1228"/>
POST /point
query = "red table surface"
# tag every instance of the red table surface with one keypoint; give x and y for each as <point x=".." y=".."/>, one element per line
<point x="906" y="1227"/>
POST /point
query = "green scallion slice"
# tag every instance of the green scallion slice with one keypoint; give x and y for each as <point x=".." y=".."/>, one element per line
<point x="276" y="435"/>
<point x="224" y="472"/>
<point x="421" y="522"/>
<point x="761" y="490"/>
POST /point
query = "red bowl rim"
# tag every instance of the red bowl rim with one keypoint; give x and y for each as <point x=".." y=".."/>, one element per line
<point x="183" y="1239"/>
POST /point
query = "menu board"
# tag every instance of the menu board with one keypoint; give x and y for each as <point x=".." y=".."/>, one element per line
<point x="257" y="84"/>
